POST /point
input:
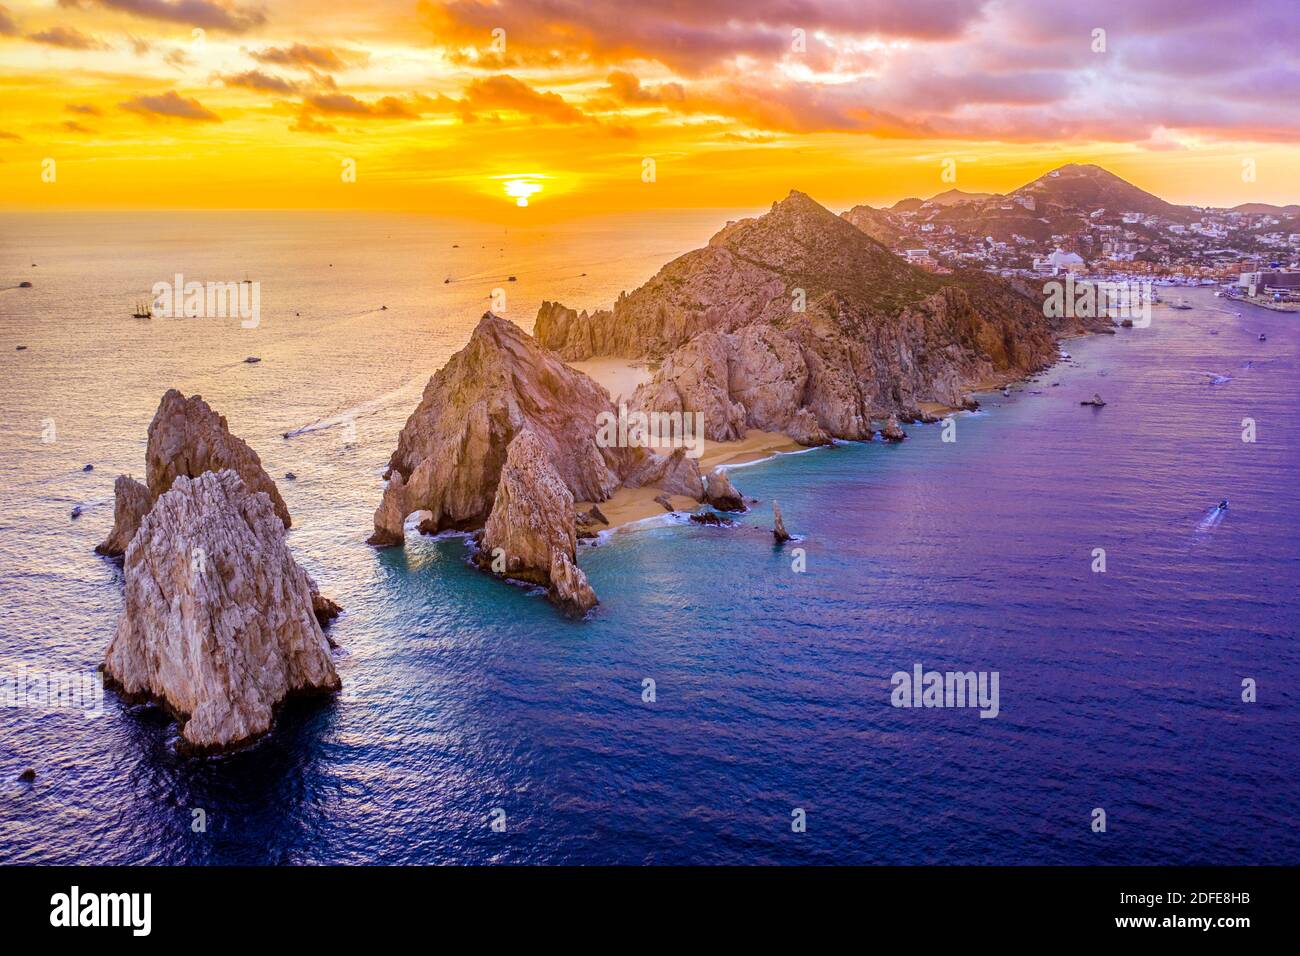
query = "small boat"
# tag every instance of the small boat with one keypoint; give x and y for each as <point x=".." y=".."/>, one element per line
<point x="1223" y="505"/>
<point x="1263" y="337"/>
<point x="383" y="308"/>
<point x="446" y="280"/>
<point x="1006" y="392"/>
<point x="142" y="311"/>
<point x="76" y="512"/>
<point x="252" y="360"/>
<point x="1181" y="305"/>
<point x="24" y="285"/>
<point x="510" y="279"/>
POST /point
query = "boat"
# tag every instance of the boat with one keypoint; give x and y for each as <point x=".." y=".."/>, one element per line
<point x="1223" y="505"/>
<point x="1181" y="305"/>
<point x="142" y="310"/>
<point x="1263" y="337"/>
<point x="511" y="279"/>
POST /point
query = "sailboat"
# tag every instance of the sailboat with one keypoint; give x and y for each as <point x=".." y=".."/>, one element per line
<point x="142" y="310"/>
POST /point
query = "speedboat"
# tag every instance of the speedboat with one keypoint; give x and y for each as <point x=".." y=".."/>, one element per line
<point x="1223" y="505"/>
<point x="1263" y="337"/>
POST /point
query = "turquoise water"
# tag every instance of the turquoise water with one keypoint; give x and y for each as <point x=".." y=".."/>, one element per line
<point x="464" y="696"/>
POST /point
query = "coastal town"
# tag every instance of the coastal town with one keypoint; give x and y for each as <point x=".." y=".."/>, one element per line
<point x="1085" y="221"/>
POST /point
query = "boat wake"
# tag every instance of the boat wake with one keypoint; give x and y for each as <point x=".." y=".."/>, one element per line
<point x="1211" y="520"/>
<point x="349" y="416"/>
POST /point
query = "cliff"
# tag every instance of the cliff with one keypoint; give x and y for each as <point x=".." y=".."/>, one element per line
<point x="218" y="621"/>
<point x="451" y="451"/>
<point x="875" y="337"/>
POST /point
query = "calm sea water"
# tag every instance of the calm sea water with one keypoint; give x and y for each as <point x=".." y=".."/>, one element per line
<point x="1119" y="690"/>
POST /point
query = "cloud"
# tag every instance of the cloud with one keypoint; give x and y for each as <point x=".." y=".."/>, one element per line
<point x="257" y="80"/>
<point x="85" y="109"/>
<point x="170" y="105"/>
<point x="194" y="13"/>
<point x="8" y="27"/>
<point x="386" y="107"/>
<point x="504" y="92"/>
<point x="302" y="56"/>
<point x="68" y="38"/>
<point x="72" y="126"/>
<point x="306" y="123"/>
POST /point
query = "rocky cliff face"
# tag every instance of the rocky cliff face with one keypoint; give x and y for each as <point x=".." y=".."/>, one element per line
<point x="218" y="621"/>
<point x="876" y="336"/>
<point x="131" y="502"/>
<point x="530" y="533"/>
<point x="450" y="453"/>
<point x="186" y="437"/>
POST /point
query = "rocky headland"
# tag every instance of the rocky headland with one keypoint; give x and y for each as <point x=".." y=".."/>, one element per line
<point x="795" y="324"/>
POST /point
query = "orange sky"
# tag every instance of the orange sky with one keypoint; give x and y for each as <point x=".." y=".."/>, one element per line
<point x="268" y="106"/>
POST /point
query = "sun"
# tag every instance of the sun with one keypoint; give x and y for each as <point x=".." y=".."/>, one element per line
<point x="521" y="189"/>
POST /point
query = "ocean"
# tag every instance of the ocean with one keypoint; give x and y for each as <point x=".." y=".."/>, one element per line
<point x="477" y="725"/>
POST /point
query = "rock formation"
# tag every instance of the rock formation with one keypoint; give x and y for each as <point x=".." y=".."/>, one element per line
<point x="799" y="322"/>
<point x="217" y="623"/>
<point x="532" y="525"/>
<point x="778" y="526"/>
<point x="131" y="502"/>
<point x="450" y="453"/>
<point x="186" y="437"/>
<point x="893" y="431"/>
<point x="721" y="493"/>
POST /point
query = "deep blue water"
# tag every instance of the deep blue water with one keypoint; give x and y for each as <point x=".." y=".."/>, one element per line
<point x="1119" y="690"/>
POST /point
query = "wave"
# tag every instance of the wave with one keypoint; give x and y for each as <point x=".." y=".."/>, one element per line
<point x="1211" y="519"/>
<point x="350" y="415"/>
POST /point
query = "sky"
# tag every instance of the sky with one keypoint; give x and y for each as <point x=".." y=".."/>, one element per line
<point x="556" y="108"/>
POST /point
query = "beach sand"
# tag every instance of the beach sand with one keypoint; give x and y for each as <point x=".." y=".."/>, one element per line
<point x="620" y="377"/>
<point x="634" y="504"/>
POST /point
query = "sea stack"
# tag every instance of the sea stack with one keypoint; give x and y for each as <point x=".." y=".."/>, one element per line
<point x="778" y="526"/>
<point x="721" y="493"/>
<point x="186" y="437"/>
<point x="530" y="534"/>
<point x="218" y="622"/>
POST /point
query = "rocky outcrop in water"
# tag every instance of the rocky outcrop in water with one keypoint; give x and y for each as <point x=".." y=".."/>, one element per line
<point x="131" y="502"/>
<point x="799" y="322"/>
<point x="778" y="525"/>
<point x="893" y="430"/>
<point x="530" y="534"/>
<point x="721" y="493"/>
<point x="218" y="621"/>
<point x="450" y="453"/>
<point x="186" y="437"/>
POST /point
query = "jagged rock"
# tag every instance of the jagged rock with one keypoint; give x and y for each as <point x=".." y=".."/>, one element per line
<point x="778" y="526"/>
<point x="893" y="431"/>
<point x="874" y="333"/>
<point x="721" y="493"/>
<point x="218" y="621"/>
<point x="675" y="474"/>
<point x="665" y="501"/>
<point x="569" y="588"/>
<point x="712" y="518"/>
<point x="131" y="502"/>
<point x="532" y="525"/>
<point x="325" y="609"/>
<point x="27" y="776"/>
<point x="186" y="437"/>
<point x="598" y="515"/>
<point x="450" y="453"/>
